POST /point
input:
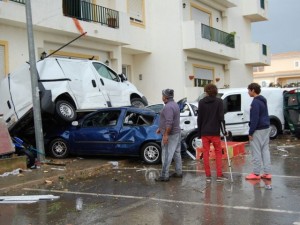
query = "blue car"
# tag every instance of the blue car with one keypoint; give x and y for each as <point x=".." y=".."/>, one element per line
<point x="122" y="131"/>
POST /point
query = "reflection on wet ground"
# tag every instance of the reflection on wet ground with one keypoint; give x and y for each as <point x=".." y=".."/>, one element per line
<point x="129" y="195"/>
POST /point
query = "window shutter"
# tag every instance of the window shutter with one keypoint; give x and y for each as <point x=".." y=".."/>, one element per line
<point x="2" y="62"/>
<point x="136" y="10"/>
<point x="204" y="74"/>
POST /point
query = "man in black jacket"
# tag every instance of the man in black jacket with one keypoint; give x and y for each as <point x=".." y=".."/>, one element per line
<point x="210" y="117"/>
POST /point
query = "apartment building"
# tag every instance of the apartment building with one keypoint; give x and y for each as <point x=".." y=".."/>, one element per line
<point x="179" y="44"/>
<point x="284" y="70"/>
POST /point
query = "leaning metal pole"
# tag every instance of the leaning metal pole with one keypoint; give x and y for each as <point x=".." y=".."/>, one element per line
<point x="39" y="139"/>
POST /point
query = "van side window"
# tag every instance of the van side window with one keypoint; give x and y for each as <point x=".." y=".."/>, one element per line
<point x="232" y="103"/>
<point x="105" y="72"/>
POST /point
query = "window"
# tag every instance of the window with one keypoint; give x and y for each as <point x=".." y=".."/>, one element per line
<point x="232" y="103"/>
<point x="105" y="72"/>
<point x="3" y="59"/>
<point x="201" y="15"/>
<point x="258" y="69"/>
<point x="297" y="64"/>
<point x="203" y="76"/>
<point x="137" y="119"/>
<point x="101" y="119"/>
<point x="136" y="11"/>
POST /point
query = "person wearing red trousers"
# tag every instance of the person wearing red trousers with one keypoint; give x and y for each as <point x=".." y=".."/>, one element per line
<point x="210" y="117"/>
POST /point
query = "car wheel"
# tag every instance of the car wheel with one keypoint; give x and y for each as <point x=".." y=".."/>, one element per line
<point x="30" y="158"/>
<point x="65" y="110"/>
<point x="151" y="153"/>
<point x="59" y="148"/>
<point x="193" y="140"/>
<point x="138" y="103"/>
<point x="273" y="130"/>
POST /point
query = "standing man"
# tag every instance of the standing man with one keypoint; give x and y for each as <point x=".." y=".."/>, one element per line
<point x="170" y="129"/>
<point x="259" y="134"/>
<point x="210" y="117"/>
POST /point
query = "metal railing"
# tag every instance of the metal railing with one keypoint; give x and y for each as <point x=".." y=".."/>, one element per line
<point x="19" y="1"/>
<point x="86" y="11"/>
<point x="216" y="35"/>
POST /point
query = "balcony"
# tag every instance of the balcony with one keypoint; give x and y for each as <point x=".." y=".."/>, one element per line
<point x="86" y="11"/>
<point x="257" y="55"/>
<point x="207" y="40"/>
<point x="19" y="1"/>
<point x="255" y="10"/>
<point x="221" y="5"/>
<point x="57" y="17"/>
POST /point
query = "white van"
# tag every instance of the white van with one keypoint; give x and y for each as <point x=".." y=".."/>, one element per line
<point x="66" y="86"/>
<point x="237" y="109"/>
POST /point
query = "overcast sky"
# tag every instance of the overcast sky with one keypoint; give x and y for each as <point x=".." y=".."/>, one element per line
<point x="282" y="31"/>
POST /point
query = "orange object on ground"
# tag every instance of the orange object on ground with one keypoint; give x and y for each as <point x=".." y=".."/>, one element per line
<point x="234" y="149"/>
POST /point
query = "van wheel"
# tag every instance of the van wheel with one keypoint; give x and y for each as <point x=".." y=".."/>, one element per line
<point x="138" y="103"/>
<point x="273" y="130"/>
<point x="65" y="110"/>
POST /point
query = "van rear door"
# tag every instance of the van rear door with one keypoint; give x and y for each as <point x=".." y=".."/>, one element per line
<point x="236" y="118"/>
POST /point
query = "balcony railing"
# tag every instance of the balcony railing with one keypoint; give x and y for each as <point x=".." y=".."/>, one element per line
<point x="216" y="35"/>
<point x="90" y="12"/>
<point x="19" y="1"/>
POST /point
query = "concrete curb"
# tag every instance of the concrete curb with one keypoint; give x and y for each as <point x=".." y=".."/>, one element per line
<point x="68" y="174"/>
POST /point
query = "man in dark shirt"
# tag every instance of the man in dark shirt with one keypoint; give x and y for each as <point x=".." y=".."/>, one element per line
<point x="210" y="117"/>
<point x="169" y="127"/>
<point x="259" y="134"/>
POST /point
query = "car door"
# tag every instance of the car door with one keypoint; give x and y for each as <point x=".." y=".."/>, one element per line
<point x="188" y="117"/>
<point x="111" y="83"/>
<point x="97" y="133"/>
<point x="235" y="116"/>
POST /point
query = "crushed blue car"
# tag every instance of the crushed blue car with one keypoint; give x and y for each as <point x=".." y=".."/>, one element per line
<point x="121" y="131"/>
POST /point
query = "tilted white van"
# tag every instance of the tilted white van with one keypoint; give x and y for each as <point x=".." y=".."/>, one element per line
<point x="66" y="86"/>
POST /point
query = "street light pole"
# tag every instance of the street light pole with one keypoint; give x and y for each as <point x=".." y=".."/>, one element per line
<point x="39" y="139"/>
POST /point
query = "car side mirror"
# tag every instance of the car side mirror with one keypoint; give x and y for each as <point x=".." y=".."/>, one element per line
<point x="122" y="77"/>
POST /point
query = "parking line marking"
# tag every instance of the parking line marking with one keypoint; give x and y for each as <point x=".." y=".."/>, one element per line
<point x="167" y="201"/>
<point x="145" y="169"/>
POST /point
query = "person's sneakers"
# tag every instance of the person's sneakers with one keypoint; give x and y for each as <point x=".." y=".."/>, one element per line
<point x="221" y="179"/>
<point x="176" y="175"/>
<point x="252" y="176"/>
<point x="266" y="176"/>
<point x="162" y="179"/>
<point x="208" y="179"/>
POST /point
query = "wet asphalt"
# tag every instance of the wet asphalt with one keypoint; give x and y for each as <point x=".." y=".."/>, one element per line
<point x="128" y="194"/>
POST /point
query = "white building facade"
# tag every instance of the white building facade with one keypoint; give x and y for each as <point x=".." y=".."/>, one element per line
<point x="179" y="44"/>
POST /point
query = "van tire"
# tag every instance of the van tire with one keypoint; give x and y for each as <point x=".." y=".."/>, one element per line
<point x="65" y="110"/>
<point x="138" y="103"/>
<point x="274" y="130"/>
